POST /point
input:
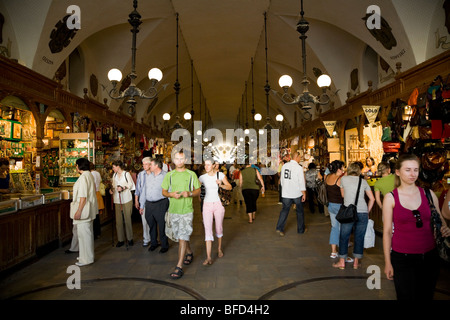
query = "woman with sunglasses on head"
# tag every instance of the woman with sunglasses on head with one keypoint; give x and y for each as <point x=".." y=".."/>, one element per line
<point x="411" y="258"/>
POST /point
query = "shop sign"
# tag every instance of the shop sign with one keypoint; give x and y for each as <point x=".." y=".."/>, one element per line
<point x="329" y="125"/>
<point x="371" y="113"/>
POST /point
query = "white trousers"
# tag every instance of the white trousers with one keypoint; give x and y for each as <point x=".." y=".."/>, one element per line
<point x="145" y="229"/>
<point x="85" y="232"/>
<point x="74" y="243"/>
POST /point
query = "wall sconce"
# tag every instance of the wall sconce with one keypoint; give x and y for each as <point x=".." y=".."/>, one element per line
<point x="166" y="116"/>
<point x="258" y="117"/>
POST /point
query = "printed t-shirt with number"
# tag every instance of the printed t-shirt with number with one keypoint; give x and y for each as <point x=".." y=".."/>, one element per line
<point x="178" y="181"/>
<point x="292" y="180"/>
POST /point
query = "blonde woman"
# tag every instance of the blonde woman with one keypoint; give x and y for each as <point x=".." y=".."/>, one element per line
<point x="410" y="255"/>
<point x="349" y="185"/>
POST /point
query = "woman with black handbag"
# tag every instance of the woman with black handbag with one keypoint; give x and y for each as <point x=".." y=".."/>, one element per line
<point x="354" y="187"/>
<point x="410" y="254"/>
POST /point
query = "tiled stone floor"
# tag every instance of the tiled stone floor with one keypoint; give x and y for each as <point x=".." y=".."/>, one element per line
<point x="258" y="264"/>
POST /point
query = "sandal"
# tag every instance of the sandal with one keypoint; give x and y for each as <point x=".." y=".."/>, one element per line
<point x="177" y="274"/>
<point x="334" y="255"/>
<point x="338" y="265"/>
<point x="188" y="258"/>
<point x="207" y="262"/>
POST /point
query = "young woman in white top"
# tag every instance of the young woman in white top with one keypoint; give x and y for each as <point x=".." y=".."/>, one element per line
<point x="212" y="207"/>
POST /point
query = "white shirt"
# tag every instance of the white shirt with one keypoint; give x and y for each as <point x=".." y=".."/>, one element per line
<point x="125" y="195"/>
<point x="211" y="186"/>
<point x="97" y="179"/>
<point x="292" y="180"/>
<point x="84" y="188"/>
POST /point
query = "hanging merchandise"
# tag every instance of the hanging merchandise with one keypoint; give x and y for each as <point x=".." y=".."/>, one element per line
<point x="434" y="98"/>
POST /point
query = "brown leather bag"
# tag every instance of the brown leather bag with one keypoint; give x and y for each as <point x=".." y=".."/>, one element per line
<point x="434" y="160"/>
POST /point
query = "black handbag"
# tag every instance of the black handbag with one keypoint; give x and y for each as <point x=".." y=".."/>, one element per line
<point x="442" y="244"/>
<point x="349" y="214"/>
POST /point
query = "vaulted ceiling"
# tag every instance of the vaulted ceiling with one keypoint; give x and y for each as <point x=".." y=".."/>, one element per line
<point x="218" y="40"/>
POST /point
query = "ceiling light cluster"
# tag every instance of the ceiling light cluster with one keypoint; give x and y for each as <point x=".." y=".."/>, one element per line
<point x="115" y="75"/>
<point x="306" y="99"/>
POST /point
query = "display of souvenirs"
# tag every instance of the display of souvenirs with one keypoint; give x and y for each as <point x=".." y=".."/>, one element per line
<point x="11" y="149"/>
<point x="21" y="181"/>
<point x="72" y="147"/>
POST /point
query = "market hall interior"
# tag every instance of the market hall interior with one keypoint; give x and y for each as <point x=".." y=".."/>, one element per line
<point x="257" y="264"/>
<point x="221" y="62"/>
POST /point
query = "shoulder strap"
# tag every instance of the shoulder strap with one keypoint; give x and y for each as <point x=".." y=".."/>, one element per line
<point x="429" y="197"/>
<point x="357" y="192"/>
<point x="337" y="180"/>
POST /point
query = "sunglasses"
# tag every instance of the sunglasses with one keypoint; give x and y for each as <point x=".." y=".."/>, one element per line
<point x="416" y="214"/>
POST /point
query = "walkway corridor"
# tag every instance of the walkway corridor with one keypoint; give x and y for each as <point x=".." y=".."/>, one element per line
<point x="258" y="264"/>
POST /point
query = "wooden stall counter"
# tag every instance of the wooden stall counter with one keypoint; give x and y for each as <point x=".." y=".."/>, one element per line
<point x="32" y="232"/>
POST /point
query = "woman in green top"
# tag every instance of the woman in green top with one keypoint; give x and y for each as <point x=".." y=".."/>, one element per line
<point x="385" y="184"/>
<point x="250" y="189"/>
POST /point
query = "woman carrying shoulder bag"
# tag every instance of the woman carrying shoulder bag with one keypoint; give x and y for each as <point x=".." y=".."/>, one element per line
<point x="122" y="184"/>
<point x="83" y="210"/>
<point x="410" y="254"/>
<point x="349" y="185"/>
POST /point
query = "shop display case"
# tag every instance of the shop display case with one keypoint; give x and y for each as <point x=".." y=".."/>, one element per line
<point x="9" y="206"/>
<point x="52" y="197"/>
<point x="26" y="201"/>
<point x="73" y="146"/>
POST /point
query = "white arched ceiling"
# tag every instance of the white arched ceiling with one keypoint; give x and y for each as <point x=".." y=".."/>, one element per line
<point x="221" y="37"/>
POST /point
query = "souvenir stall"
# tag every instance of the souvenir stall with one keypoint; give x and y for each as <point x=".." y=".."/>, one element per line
<point x="427" y="134"/>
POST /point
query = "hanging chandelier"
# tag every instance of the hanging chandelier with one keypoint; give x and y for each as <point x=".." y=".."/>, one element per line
<point x="115" y="75"/>
<point x="306" y="99"/>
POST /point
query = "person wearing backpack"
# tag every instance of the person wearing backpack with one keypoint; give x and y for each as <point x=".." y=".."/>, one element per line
<point x="311" y="177"/>
<point x="122" y="184"/>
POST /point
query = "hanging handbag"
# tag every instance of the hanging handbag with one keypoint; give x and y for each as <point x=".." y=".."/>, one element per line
<point x="224" y="195"/>
<point x="442" y="244"/>
<point x="369" y="237"/>
<point x="349" y="214"/>
<point x="322" y="196"/>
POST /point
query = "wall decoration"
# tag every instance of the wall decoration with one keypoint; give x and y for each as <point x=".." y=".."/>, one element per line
<point x="384" y="34"/>
<point x="93" y="82"/>
<point x="61" y="36"/>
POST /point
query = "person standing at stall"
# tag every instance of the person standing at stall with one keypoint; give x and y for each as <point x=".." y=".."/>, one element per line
<point x="385" y="184"/>
<point x="349" y="191"/>
<point x="83" y="209"/>
<point x="101" y="205"/>
<point x="311" y="177"/>
<point x="181" y="185"/>
<point x="4" y="175"/>
<point x="122" y="183"/>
